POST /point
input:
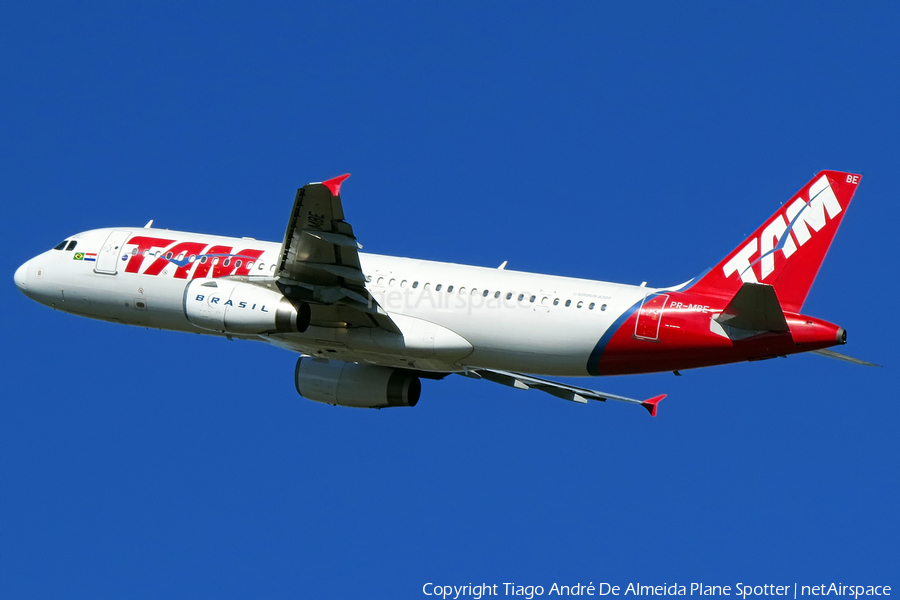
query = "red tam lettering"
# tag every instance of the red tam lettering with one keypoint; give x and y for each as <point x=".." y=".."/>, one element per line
<point x="202" y="269"/>
<point x="187" y="248"/>
<point x="143" y="245"/>
<point x="247" y="257"/>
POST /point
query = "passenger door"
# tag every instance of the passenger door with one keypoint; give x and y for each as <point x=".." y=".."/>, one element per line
<point x="108" y="257"/>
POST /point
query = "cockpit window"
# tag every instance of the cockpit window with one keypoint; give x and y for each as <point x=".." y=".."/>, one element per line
<point x="71" y="245"/>
<point x="61" y="245"/>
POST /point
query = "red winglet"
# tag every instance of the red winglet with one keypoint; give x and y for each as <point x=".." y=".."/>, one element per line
<point x="335" y="184"/>
<point x="650" y="404"/>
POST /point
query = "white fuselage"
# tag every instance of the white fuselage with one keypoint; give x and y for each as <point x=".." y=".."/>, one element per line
<point x="452" y="317"/>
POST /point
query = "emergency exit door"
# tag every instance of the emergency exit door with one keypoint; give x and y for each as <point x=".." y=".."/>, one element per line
<point x="649" y="318"/>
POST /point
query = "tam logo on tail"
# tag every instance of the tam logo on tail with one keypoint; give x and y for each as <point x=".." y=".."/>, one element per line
<point x="802" y="216"/>
<point x="787" y="250"/>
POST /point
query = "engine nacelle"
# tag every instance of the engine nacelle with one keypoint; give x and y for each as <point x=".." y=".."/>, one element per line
<point x="237" y="307"/>
<point x="352" y="384"/>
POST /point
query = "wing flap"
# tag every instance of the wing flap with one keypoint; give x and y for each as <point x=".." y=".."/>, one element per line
<point x="338" y="239"/>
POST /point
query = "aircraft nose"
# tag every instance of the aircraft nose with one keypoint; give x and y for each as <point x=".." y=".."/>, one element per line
<point x="20" y="277"/>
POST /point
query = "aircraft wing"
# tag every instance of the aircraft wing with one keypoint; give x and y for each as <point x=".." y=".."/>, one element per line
<point x="560" y="390"/>
<point x="319" y="261"/>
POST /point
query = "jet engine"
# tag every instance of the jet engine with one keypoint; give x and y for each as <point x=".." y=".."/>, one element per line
<point x="353" y="384"/>
<point x="237" y="307"/>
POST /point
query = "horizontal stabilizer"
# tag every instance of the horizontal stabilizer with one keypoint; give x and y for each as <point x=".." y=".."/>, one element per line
<point x="839" y="356"/>
<point x="755" y="307"/>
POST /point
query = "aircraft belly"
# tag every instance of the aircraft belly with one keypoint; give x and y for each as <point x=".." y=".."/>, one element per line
<point x="560" y="351"/>
<point x="535" y="363"/>
<point x="418" y="340"/>
<point x="538" y="342"/>
<point x="129" y="299"/>
<point x="333" y="345"/>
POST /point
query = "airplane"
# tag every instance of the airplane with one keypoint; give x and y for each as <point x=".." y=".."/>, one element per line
<point x="368" y="327"/>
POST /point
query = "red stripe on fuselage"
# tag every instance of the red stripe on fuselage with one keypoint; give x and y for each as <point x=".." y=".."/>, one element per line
<point x="686" y="339"/>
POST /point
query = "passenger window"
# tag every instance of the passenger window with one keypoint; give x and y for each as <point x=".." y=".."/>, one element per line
<point x="381" y="281"/>
<point x="403" y="283"/>
<point x="568" y="303"/>
<point x="580" y="304"/>
<point x="415" y="284"/>
<point x="61" y="245"/>
<point x="369" y="278"/>
<point x="392" y="282"/>
<point x="474" y="292"/>
<point x="509" y="296"/>
<point x="237" y="264"/>
<point x="249" y="264"/>
<point x="216" y="260"/>
<point x="496" y="294"/>
<point x="556" y="302"/>
<point x="427" y="286"/>
<point x="462" y="291"/>
<point x="226" y="262"/>
<point x="134" y="251"/>
<point x="261" y="266"/>
<point x="603" y="307"/>
<point x="545" y="300"/>
<point x="272" y="267"/>
<point x="202" y="260"/>
<point x="591" y="306"/>
<point x="521" y="297"/>
<point x="71" y="245"/>
<point x="485" y="294"/>
<point x="437" y="288"/>
<point x="449" y="289"/>
<point x="169" y="256"/>
<point x="192" y="258"/>
<point x="181" y="257"/>
<point x="532" y="298"/>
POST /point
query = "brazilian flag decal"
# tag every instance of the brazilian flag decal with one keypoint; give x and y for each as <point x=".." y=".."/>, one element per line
<point x="78" y="256"/>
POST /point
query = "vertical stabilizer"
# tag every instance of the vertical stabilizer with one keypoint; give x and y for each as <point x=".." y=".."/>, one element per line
<point x="787" y="250"/>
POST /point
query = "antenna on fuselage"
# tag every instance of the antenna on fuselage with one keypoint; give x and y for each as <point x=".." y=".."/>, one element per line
<point x="503" y="266"/>
<point x="149" y="224"/>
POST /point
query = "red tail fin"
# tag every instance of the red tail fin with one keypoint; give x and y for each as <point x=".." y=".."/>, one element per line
<point x="787" y="250"/>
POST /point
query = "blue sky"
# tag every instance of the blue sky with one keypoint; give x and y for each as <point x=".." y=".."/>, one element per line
<point x="633" y="142"/>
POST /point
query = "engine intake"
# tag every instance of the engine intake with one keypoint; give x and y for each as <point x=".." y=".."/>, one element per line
<point x="238" y="307"/>
<point x="352" y="384"/>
